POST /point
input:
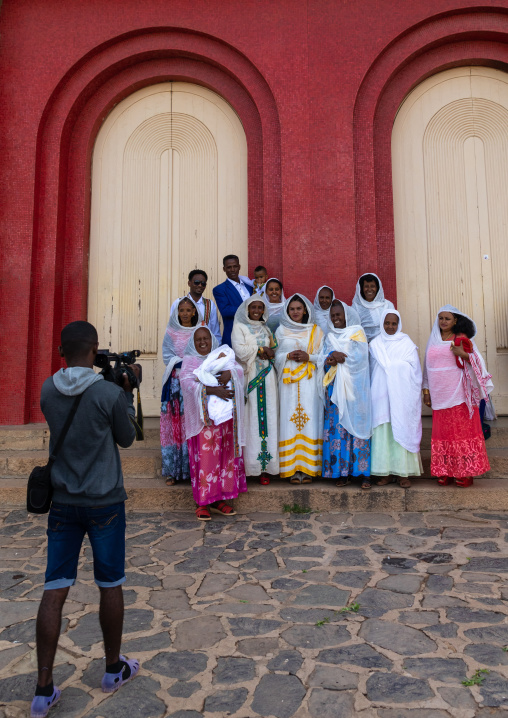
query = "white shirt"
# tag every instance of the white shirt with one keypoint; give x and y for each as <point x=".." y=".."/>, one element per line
<point x="214" y="319"/>
<point x="241" y="289"/>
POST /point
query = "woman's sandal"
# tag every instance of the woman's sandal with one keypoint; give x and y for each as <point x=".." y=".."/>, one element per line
<point x="366" y="485"/>
<point x="306" y="479"/>
<point x="404" y="483"/>
<point x="170" y="481"/>
<point x="264" y="480"/>
<point x="387" y="480"/>
<point x="444" y="480"/>
<point x="464" y="482"/>
<point x="203" y="514"/>
<point x="223" y="508"/>
<point x="342" y="483"/>
<point x="295" y="479"/>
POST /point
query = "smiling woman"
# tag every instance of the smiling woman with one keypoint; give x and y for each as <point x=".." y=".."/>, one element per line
<point x="254" y="345"/>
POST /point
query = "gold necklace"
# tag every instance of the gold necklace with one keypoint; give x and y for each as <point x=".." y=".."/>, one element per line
<point x="447" y="338"/>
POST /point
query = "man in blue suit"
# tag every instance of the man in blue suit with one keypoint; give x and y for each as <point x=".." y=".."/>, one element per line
<point x="230" y="294"/>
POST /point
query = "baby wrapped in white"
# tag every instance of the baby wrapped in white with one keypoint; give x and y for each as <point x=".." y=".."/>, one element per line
<point x="221" y="359"/>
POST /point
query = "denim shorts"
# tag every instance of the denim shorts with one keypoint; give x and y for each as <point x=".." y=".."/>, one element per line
<point x="67" y="526"/>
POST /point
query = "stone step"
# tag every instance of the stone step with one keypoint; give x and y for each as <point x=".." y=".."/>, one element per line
<point x="321" y="496"/>
<point x="34" y="437"/>
<point x="145" y="463"/>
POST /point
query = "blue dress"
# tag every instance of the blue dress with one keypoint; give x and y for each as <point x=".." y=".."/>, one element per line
<point x="343" y="454"/>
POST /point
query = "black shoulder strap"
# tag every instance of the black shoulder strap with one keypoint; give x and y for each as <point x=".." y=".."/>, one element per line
<point x="66" y="428"/>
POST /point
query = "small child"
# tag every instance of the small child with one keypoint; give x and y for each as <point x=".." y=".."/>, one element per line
<point x="260" y="277"/>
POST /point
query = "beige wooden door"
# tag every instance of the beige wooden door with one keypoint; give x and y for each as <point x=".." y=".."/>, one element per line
<point x="169" y="194"/>
<point x="450" y="188"/>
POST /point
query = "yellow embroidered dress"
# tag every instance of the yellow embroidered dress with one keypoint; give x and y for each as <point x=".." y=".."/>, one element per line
<point x="301" y="409"/>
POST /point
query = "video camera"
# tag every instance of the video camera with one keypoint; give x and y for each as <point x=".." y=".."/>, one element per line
<point x="115" y="374"/>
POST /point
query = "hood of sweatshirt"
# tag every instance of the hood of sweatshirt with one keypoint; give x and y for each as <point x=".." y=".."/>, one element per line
<point x="75" y="379"/>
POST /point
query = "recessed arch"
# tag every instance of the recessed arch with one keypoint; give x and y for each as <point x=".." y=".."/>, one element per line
<point x="68" y="128"/>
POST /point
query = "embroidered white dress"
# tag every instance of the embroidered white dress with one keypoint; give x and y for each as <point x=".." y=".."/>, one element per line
<point x="301" y="409"/>
<point x="261" y="418"/>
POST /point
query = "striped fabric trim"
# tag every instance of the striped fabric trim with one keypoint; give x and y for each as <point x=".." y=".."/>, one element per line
<point x="301" y="457"/>
<point x="301" y="447"/>
<point x="299" y="467"/>
<point x="301" y="437"/>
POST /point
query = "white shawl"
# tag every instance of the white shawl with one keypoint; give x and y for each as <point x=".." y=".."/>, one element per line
<point x="396" y="385"/>
<point x="275" y="309"/>
<point x="219" y="410"/>
<point x="176" y="338"/>
<point x="370" y="312"/>
<point x="194" y="396"/>
<point x="322" y="315"/>
<point x="351" y="380"/>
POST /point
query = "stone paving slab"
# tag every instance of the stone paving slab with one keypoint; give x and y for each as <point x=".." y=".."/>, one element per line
<point x="313" y="615"/>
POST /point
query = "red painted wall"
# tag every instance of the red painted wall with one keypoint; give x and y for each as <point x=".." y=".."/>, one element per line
<point x="316" y="83"/>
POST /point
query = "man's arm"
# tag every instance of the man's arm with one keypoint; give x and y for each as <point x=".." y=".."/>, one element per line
<point x="214" y="322"/>
<point x="226" y="307"/>
<point x="123" y="429"/>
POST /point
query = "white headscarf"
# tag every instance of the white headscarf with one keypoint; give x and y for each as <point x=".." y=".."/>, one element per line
<point x="351" y="387"/>
<point x="259" y="335"/>
<point x="396" y="385"/>
<point x="292" y="336"/>
<point x="274" y="308"/>
<point x="322" y="315"/>
<point x="370" y="312"/>
<point x="442" y="375"/>
<point x="194" y="398"/>
<point x="176" y="338"/>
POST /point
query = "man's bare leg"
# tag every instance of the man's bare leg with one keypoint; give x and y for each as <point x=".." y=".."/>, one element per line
<point x="111" y="620"/>
<point x="49" y="620"/>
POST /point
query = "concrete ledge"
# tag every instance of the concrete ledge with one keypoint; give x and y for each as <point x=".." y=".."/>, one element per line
<point x="424" y="495"/>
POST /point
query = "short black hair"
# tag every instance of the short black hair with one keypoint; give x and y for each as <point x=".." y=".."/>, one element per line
<point x="336" y="303"/>
<point x="77" y="338"/>
<point x="260" y="268"/>
<point x="297" y="298"/>
<point x="198" y="271"/>
<point x="368" y="278"/>
<point x="464" y="325"/>
<point x="195" y="317"/>
<point x="230" y="256"/>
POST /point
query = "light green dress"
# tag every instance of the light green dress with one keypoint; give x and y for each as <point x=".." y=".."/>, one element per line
<point x="389" y="458"/>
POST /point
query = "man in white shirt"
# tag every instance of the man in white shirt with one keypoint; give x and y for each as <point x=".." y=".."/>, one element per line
<point x="197" y="285"/>
<point x="230" y="294"/>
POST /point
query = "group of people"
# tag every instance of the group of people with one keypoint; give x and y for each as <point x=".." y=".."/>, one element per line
<point x="298" y="390"/>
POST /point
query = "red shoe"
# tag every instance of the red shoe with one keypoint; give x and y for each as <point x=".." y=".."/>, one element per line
<point x="464" y="482"/>
<point x="264" y="480"/>
<point x="444" y="480"/>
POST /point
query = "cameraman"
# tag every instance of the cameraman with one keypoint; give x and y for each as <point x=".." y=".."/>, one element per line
<point x="88" y="498"/>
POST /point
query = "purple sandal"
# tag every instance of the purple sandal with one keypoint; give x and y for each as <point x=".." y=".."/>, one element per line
<point x="41" y="704"/>
<point x="111" y="682"/>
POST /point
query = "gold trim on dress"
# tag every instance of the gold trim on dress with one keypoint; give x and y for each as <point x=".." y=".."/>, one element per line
<point x="301" y="447"/>
<point x="301" y="437"/>
<point x="300" y="457"/>
<point x="298" y="467"/>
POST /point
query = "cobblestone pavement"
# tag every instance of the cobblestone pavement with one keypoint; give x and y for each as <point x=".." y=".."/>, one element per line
<point x="244" y="617"/>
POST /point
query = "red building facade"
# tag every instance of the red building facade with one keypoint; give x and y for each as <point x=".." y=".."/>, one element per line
<point x="315" y="83"/>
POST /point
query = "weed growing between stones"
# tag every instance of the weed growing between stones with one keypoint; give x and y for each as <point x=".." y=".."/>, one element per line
<point x="477" y="678"/>
<point x="296" y="509"/>
<point x="352" y="608"/>
<point x="326" y="619"/>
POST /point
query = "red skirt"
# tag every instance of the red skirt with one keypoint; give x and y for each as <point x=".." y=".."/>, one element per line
<point x="458" y="446"/>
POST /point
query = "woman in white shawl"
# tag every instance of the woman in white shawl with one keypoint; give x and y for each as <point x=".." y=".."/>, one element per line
<point x="322" y="303"/>
<point x="455" y="380"/>
<point x="344" y="382"/>
<point x="370" y="303"/>
<point x="299" y="342"/>
<point x="175" y="460"/>
<point x="254" y="344"/>
<point x="215" y="451"/>
<point x="396" y="385"/>
<point x="273" y="292"/>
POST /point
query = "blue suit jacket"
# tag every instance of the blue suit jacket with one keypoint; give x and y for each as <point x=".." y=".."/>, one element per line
<point x="228" y="300"/>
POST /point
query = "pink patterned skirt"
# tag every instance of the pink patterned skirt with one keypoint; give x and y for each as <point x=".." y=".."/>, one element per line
<point x="216" y="475"/>
<point x="457" y="446"/>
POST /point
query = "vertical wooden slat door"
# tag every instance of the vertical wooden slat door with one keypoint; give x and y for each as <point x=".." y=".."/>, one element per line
<point x="169" y="194"/>
<point x="450" y="188"/>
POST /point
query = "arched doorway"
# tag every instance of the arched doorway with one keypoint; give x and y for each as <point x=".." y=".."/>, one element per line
<point x="450" y="190"/>
<point x="169" y="194"/>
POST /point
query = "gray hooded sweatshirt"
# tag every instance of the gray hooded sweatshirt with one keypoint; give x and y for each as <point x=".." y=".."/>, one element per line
<point x="87" y="470"/>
